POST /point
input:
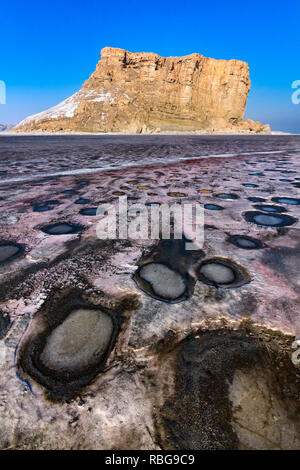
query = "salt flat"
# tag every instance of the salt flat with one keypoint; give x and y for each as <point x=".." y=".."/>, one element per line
<point x="186" y="372"/>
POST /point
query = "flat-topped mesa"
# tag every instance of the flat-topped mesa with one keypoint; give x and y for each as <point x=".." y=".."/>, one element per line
<point x="143" y="92"/>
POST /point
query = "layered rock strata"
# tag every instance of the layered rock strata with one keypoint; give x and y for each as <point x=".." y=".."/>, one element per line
<point x="143" y="92"/>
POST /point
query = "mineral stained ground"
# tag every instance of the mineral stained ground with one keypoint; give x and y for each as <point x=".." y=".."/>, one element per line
<point x="195" y="351"/>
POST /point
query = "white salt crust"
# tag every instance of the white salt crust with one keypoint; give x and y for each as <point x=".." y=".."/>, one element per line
<point x="79" y="341"/>
<point x="217" y="273"/>
<point x="164" y="281"/>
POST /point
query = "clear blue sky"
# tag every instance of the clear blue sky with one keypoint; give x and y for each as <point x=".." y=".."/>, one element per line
<point x="48" y="48"/>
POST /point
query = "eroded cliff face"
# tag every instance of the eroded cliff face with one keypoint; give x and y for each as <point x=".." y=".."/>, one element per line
<point x="143" y="92"/>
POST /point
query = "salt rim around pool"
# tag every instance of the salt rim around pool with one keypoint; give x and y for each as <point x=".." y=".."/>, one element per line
<point x="222" y="272"/>
<point x="67" y="343"/>
<point x="287" y="200"/>
<point x="269" y="220"/>
<point x="9" y="251"/>
<point x="43" y="208"/>
<point x="79" y="341"/>
<point x="82" y="201"/>
<point x="164" y="273"/>
<point x="61" y="228"/>
<point x="228" y="196"/>
<point x="245" y="242"/>
<point x="88" y="211"/>
<point x="256" y="199"/>
<point x="213" y="207"/>
<point x="165" y="283"/>
<point x="269" y="208"/>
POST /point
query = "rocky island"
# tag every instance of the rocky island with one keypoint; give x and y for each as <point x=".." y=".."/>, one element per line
<point x="145" y="93"/>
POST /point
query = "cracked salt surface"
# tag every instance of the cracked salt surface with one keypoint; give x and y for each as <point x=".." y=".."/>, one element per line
<point x="150" y="162"/>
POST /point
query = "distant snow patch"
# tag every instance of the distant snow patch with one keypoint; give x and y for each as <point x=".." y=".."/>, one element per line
<point x="104" y="97"/>
<point x="68" y="107"/>
<point x="94" y="95"/>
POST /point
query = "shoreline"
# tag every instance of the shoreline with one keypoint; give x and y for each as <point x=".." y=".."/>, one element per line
<point x="166" y="162"/>
<point x="40" y="134"/>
